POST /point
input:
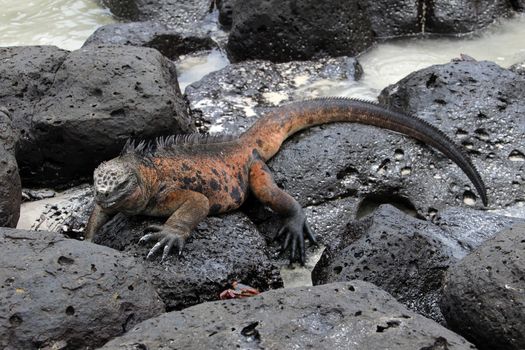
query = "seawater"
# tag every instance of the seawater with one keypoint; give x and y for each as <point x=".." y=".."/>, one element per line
<point x="63" y="23"/>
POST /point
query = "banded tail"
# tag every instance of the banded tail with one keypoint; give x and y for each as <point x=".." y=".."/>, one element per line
<point x="270" y="131"/>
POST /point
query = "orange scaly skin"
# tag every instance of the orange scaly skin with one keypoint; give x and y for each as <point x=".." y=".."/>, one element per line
<point x="188" y="179"/>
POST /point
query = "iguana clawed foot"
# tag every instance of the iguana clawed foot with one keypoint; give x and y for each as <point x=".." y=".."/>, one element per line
<point x="166" y="238"/>
<point x="295" y="228"/>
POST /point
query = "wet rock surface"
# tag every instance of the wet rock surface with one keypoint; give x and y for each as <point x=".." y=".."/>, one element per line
<point x="484" y="295"/>
<point x="221" y="250"/>
<point x="480" y="105"/>
<point x="169" y="41"/>
<point x="10" y="186"/>
<point x="282" y="31"/>
<point x="95" y="100"/>
<point x="518" y="68"/>
<point x="406" y="256"/>
<point x="401" y="254"/>
<point x="229" y="100"/>
<point x="59" y="293"/>
<point x="352" y="315"/>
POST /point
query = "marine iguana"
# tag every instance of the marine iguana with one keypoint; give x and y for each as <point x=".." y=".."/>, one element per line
<point x="186" y="178"/>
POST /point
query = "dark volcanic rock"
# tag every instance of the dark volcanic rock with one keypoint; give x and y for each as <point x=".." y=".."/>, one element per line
<point x="10" y="187"/>
<point x="100" y="97"/>
<point x="453" y="17"/>
<point x="403" y="255"/>
<point x="354" y="315"/>
<point x="64" y="294"/>
<point x="282" y="31"/>
<point x="27" y="74"/>
<point x="228" y="100"/>
<point x="484" y="295"/>
<point x="289" y="30"/>
<point x="170" y="42"/>
<point x="406" y="256"/>
<point x="75" y="110"/>
<point x="220" y="250"/>
<point x="481" y="106"/>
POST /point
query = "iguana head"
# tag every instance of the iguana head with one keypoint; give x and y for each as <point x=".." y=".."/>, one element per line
<point x="114" y="182"/>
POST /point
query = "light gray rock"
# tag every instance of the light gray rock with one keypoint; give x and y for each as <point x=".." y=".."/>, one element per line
<point x="59" y="293"/>
<point x="352" y="315"/>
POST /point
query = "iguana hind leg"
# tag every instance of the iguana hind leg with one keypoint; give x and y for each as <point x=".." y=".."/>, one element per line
<point x="294" y="225"/>
<point x="185" y="209"/>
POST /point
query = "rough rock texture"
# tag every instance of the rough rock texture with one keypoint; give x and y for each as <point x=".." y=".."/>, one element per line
<point x="225" y="8"/>
<point x="463" y="16"/>
<point x="481" y="106"/>
<point x="64" y="294"/>
<point x="27" y="74"/>
<point x="282" y="31"/>
<point x="170" y="42"/>
<point x="484" y="295"/>
<point x="288" y="30"/>
<point x="10" y="187"/>
<point x="353" y="315"/>
<point x="100" y="97"/>
<point x="220" y="250"/>
<point x="228" y="100"/>
<point x="406" y="256"/>
<point x="400" y="254"/>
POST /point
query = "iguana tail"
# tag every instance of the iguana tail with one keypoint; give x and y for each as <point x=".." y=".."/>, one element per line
<point x="270" y="131"/>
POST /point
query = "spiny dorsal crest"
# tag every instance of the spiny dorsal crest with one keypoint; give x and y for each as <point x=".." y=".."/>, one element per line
<point x="173" y="143"/>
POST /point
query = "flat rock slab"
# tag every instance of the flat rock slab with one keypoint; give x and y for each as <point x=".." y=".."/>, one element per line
<point x="60" y="293"/>
<point x="220" y="250"/>
<point x="351" y="315"/>
<point x="484" y="294"/>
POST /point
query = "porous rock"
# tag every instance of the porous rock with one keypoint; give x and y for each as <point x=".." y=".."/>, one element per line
<point x="288" y="30"/>
<point x="484" y="294"/>
<point x="229" y="100"/>
<point x="219" y="251"/>
<point x="282" y="31"/>
<point x="101" y="96"/>
<point x="10" y="187"/>
<point x="480" y="105"/>
<point x="171" y="42"/>
<point x="407" y="256"/>
<point x="351" y="315"/>
<point x="518" y="68"/>
<point x="401" y="254"/>
<point x="59" y="293"/>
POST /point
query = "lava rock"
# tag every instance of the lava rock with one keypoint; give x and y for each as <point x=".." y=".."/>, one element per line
<point x="124" y="9"/>
<point x="480" y="105"/>
<point x="484" y="298"/>
<point x="282" y="31"/>
<point x="395" y="18"/>
<point x="464" y="16"/>
<point x="221" y="250"/>
<point x="403" y="255"/>
<point x="10" y="186"/>
<point x="27" y="74"/>
<point x="170" y="42"/>
<point x="101" y="96"/>
<point x="471" y="228"/>
<point x="225" y="8"/>
<point x="228" y="100"/>
<point x="58" y="293"/>
<point x="352" y="315"/>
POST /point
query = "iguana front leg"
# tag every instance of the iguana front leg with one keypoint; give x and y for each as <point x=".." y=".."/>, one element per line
<point x="185" y="209"/>
<point x="294" y="225"/>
